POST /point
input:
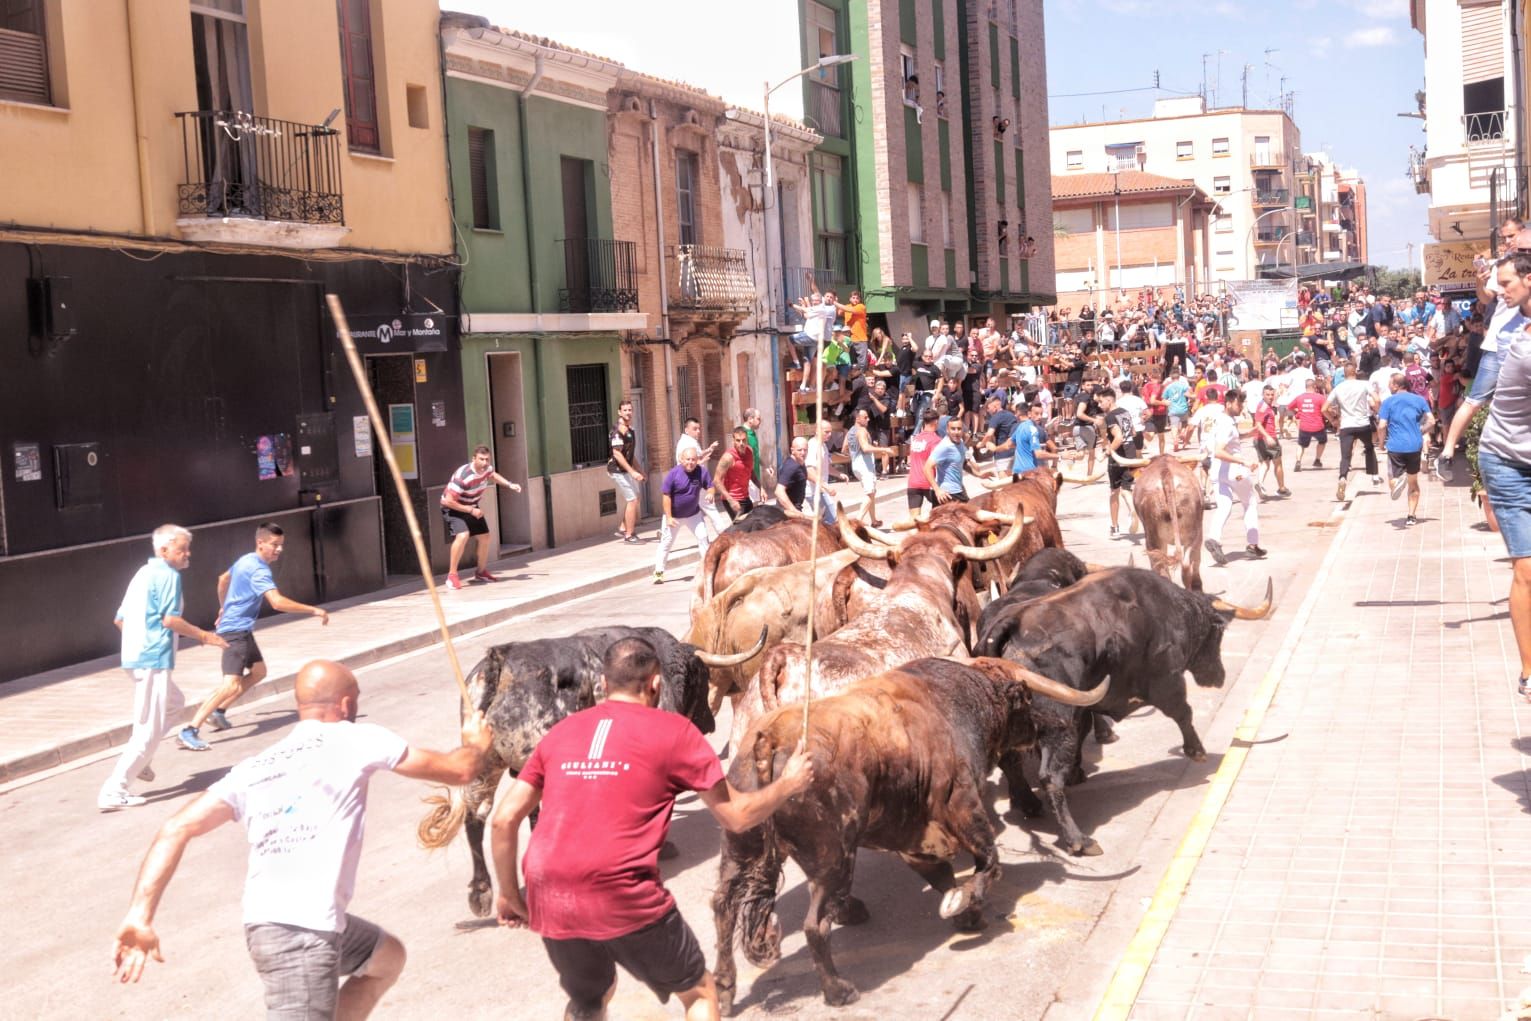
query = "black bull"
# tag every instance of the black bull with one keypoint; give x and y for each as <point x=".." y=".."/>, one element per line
<point x="1130" y="625"/>
<point x="524" y="688"/>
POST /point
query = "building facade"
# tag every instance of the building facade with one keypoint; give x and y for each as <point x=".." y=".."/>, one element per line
<point x="1244" y="160"/>
<point x="932" y="172"/>
<point x="197" y="176"/>
<point x="1331" y="211"/>
<point x="1125" y="231"/>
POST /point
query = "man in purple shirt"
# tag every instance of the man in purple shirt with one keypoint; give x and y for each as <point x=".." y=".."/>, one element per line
<point x="683" y="489"/>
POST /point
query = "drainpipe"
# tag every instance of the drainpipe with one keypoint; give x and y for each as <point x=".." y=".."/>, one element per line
<point x="531" y="272"/>
<point x="664" y="291"/>
<point x="1517" y="68"/>
<point x="145" y="191"/>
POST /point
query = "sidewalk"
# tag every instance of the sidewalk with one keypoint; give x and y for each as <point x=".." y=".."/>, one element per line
<point x="1373" y="854"/>
<point x="72" y="712"/>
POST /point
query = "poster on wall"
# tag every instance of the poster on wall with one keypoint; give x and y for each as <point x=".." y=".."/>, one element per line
<point x="28" y="460"/>
<point x="438" y="413"/>
<point x="401" y="436"/>
<point x="361" y="435"/>
<point x="1263" y="304"/>
<point x="273" y="456"/>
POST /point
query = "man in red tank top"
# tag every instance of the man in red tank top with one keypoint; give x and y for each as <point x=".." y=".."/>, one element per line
<point x="735" y="469"/>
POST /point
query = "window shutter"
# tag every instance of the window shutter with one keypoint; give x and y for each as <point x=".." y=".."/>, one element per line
<point x="360" y="82"/>
<point x="478" y="176"/>
<point x="24" y="66"/>
<point x="1482" y="43"/>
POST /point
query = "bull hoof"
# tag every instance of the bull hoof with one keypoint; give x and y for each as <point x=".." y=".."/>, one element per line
<point x="853" y="912"/>
<point x="1106" y="735"/>
<point x="1196" y="754"/>
<point x="1075" y="778"/>
<point x="971" y="920"/>
<point x="1087" y="848"/>
<point x="839" y="993"/>
<point x="956" y="901"/>
<point x="480" y="899"/>
<point x="668" y="851"/>
<point x="726" y="999"/>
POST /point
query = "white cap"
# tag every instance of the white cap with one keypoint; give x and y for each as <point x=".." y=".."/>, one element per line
<point x="935" y="322"/>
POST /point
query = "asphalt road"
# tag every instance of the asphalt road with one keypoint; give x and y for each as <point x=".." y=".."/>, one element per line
<point x="1056" y="922"/>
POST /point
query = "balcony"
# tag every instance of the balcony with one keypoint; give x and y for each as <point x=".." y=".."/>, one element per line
<point x="1304" y="239"/>
<point x="1270" y="235"/>
<point x="1266" y="159"/>
<point x="600" y="275"/>
<point x="1483" y="128"/>
<point x="257" y="180"/>
<point x="1272" y="197"/>
<point x="822" y="109"/>
<point x="1417" y="172"/>
<point x="706" y="280"/>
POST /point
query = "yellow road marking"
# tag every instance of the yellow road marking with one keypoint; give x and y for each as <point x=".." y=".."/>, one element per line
<point x="1122" y="992"/>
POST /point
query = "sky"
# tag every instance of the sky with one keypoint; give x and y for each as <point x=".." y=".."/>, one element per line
<point x="1352" y="66"/>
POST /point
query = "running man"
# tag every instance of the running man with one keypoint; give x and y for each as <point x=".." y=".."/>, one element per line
<point x="241" y="590"/>
<point x="622" y="466"/>
<point x="1120" y="440"/>
<point x="922" y="444"/>
<point x="682" y="491"/>
<point x="593" y="889"/>
<point x="1402" y="422"/>
<point x="1268" y="441"/>
<point x="464" y="517"/>
<point x="1308" y="406"/>
<point x="736" y="470"/>
<point x="1233" y="468"/>
<point x="859" y="445"/>
<point x="303" y="803"/>
<point x="1353" y="403"/>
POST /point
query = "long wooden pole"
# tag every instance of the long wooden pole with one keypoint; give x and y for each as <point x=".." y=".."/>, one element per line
<point x="380" y="431"/>
<point x="813" y="540"/>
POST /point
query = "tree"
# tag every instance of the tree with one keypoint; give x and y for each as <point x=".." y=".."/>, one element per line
<point x="1397" y="282"/>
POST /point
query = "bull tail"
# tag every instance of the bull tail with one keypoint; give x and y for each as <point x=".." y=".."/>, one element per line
<point x="443" y="821"/>
<point x="1163" y="562"/>
<point x="753" y="863"/>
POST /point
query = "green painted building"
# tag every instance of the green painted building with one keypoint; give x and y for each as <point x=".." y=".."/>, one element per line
<point x="546" y="290"/>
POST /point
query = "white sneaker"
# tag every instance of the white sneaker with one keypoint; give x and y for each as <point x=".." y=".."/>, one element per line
<point x="110" y="802"/>
<point x="1397" y="486"/>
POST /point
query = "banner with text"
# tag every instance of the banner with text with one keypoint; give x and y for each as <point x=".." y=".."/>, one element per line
<point x="1263" y="304"/>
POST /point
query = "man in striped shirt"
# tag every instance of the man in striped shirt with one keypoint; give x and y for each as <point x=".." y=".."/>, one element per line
<point x="464" y="517"/>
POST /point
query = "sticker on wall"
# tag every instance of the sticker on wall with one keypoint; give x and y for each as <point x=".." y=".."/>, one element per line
<point x="420" y="374"/>
<point x="273" y="456"/>
<point x="438" y="413"/>
<point x="28" y="460"/>
<point x="361" y="435"/>
<point x="401" y="436"/>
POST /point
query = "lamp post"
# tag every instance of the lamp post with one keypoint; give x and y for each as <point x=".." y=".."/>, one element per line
<point x="1116" y="185"/>
<point x="768" y="192"/>
<point x="1249" y="239"/>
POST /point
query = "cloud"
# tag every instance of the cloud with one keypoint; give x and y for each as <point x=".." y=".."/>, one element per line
<point x="1380" y="35"/>
<point x="1320" y="46"/>
<point x="1384" y="8"/>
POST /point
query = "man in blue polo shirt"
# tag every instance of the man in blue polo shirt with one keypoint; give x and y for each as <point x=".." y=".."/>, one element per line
<point x="1031" y="443"/>
<point x="999" y="434"/>
<point x="1402" y="422"/>
<point x="943" y="469"/>
<point x="149" y="619"/>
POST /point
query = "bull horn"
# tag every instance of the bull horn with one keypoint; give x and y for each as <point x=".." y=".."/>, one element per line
<point x="734" y="658"/>
<point x="857" y="543"/>
<point x="1092" y="568"/>
<point x="886" y="538"/>
<point x="1246" y="612"/>
<point x="1125" y="462"/>
<point x="907" y="525"/>
<point x="1188" y="456"/>
<point x="995" y="483"/>
<point x="1003" y="548"/>
<point x="996" y="516"/>
<point x="1055" y="690"/>
<point x="1084" y="480"/>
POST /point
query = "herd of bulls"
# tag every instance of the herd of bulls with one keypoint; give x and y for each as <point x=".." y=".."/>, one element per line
<point x="970" y="642"/>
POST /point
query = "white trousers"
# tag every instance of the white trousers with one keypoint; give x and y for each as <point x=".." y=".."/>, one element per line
<point x="156" y="700"/>
<point x="667" y="533"/>
<point x="1242" y="490"/>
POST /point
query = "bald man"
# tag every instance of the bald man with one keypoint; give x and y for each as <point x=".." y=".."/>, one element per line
<point x="303" y="803"/>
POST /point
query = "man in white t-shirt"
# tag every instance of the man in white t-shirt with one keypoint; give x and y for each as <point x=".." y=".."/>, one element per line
<point x="1353" y="404"/>
<point x="817" y="467"/>
<point x="303" y="803"/>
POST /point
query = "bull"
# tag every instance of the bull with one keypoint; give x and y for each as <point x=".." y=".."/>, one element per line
<point x="900" y="759"/>
<point x="1167" y="499"/>
<point x="928" y="608"/>
<point x="1130" y="625"/>
<point x="524" y="688"/>
<point x="1045" y="573"/>
<point x="739" y="550"/>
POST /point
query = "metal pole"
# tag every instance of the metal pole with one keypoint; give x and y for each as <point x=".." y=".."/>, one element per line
<point x="1116" y="183"/>
<point x="767" y="193"/>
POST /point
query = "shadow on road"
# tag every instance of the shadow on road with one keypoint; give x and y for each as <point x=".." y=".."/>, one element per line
<point x="1518" y="782"/>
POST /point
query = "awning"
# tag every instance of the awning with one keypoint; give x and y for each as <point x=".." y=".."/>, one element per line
<point x="1319" y="271"/>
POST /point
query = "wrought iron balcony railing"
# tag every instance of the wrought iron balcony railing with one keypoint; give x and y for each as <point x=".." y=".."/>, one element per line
<point x="1485" y="126"/>
<point x="1270" y="235"/>
<point x="1272" y="197"/>
<point x="600" y="275"/>
<point x="1267" y="158"/>
<point x="823" y="109"/>
<point x="708" y="279"/>
<point x="235" y="164"/>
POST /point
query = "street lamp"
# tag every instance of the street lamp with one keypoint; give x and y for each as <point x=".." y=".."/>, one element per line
<point x="1116" y="184"/>
<point x="829" y="60"/>
<point x="1249" y="240"/>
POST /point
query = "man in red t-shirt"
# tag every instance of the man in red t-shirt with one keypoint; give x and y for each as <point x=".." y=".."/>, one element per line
<point x="606" y="779"/>
<point x="1308" y="406"/>
<point x="1158" y="411"/>
<point x="735" y="470"/>
<point x="918" y="491"/>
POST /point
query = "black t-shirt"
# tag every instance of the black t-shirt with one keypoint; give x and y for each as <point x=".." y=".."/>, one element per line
<point x="628" y="442"/>
<point x="1121" y="418"/>
<point x="875" y="419"/>
<point x="1003" y="424"/>
<point x="904" y="360"/>
<point x="925" y="376"/>
<point x="793" y="477"/>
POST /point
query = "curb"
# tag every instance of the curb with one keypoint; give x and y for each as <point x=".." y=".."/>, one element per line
<point x="104" y="740"/>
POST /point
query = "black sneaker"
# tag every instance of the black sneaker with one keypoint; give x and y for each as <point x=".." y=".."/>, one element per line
<point x="1446" y="468"/>
<point x="1297" y="466"/>
<point x="1524" y="688"/>
<point x="1115" y="531"/>
<point x="1254" y="551"/>
<point x="1410" y="521"/>
<point x="1283" y="491"/>
<point x="1318" y="464"/>
<point x="1216" y="549"/>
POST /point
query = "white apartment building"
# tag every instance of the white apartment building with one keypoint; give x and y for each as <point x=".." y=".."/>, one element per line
<point x="1467" y="166"/>
<point x="1243" y="159"/>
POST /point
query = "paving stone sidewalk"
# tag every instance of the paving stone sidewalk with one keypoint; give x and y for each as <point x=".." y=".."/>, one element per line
<point x="1374" y="857"/>
<point x="73" y="712"/>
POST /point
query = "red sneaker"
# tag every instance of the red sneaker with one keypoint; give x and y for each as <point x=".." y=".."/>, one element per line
<point x="483" y="575"/>
<point x="454" y="582"/>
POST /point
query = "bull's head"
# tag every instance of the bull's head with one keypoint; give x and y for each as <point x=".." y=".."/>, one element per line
<point x="1206" y="663"/>
<point x="1019" y="684"/>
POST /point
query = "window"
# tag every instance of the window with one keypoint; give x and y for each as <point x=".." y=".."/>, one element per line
<point x="687" y="181"/>
<point x="1184" y="150"/>
<point x="23" y="52"/>
<point x="911" y="74"/>
<point x="822" y="39"/>
<point x="356" y="68"/>
<point x="940" y="89"/>
<point x="948" y="239"/>
<point x="1223" y="224"/>
<point x="1075" y="159"/>
<point x="1222" y="186"/>
<point x="916" y="213"/>
<point x="481" y="179"/>
<point x="1141" y="215"/>
<point x="1074" y="221"/>
<point x="588" y="424"/>
<point x="1123" y="155"/>
<point x="830" y="246"/>
<point x="415" y="102"/>
<point x="1220" y="147"/>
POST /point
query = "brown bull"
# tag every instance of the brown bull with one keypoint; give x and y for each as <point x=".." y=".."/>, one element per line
<point x="775" y="599"/>
<point x="1167" y="499"/>
<point x="900" y="760"/>
<point x="928" y="608"/>
<point x="737" y="552"/>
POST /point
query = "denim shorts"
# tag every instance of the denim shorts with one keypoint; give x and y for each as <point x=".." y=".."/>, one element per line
<point x="1487" y="376"/>
<point x="1508" y="485"/>
<point x="301" y="968"/>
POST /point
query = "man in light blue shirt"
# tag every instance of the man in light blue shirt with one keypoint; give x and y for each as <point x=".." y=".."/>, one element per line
<point x="943" y="469"/>
<point x="149" y="619"/>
